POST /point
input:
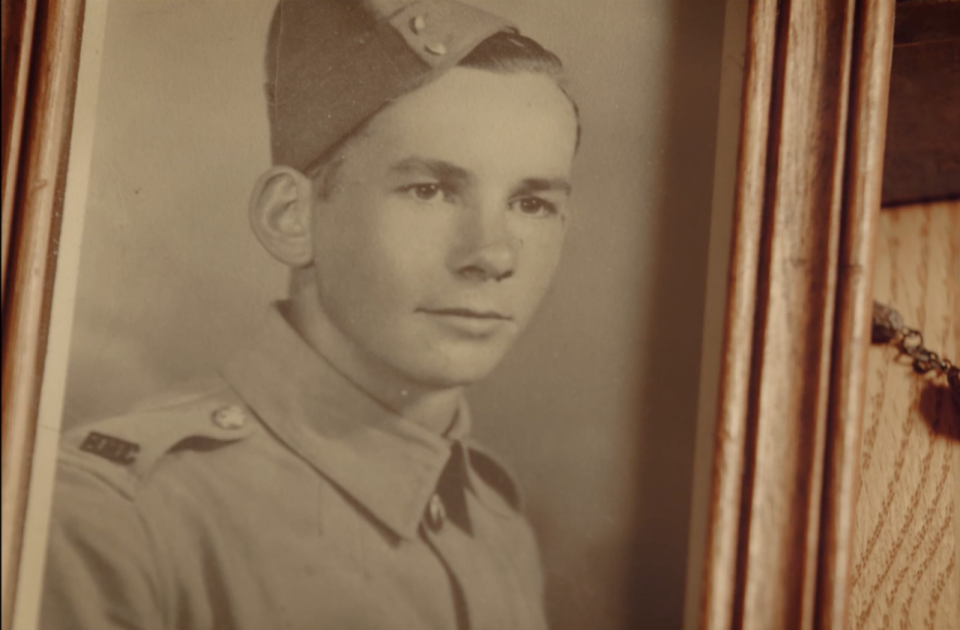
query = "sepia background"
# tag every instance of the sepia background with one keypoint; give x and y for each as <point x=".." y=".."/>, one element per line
<point x="595" y="409"/>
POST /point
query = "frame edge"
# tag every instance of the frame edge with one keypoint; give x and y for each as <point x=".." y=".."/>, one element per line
<point x="39" y="198"/>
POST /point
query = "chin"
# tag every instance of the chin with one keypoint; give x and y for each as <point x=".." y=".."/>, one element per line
<point x="456" y="370"/>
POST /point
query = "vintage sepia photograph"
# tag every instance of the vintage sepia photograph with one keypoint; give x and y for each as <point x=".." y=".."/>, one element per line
<point x="479" y="314"/>
<point x="378" y="314"/>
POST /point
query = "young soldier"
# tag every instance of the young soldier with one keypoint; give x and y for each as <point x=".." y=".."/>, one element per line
<point x="422" y="156"/>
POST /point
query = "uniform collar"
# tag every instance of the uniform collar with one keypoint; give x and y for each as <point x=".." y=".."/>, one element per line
<point x="387" y="463"/>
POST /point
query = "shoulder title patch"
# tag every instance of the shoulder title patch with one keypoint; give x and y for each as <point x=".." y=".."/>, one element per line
<point x="111" y="448"/>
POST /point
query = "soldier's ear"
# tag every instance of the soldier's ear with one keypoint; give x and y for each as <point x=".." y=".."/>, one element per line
<point x="280" y="212"/>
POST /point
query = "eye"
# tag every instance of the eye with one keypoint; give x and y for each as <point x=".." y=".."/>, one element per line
<point x="534" y="207"/>
<point x="424" y="192"/>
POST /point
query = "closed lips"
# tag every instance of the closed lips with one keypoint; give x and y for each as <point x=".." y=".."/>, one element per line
<point x="464" y="312"/>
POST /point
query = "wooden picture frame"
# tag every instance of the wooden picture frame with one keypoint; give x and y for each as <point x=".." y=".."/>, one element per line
<point x="787" y="430"/>
<point x="47" y="54"/>
<point x="787" y="437"/>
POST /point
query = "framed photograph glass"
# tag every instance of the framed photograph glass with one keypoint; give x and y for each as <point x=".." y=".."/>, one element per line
<point x="277" y="246"/>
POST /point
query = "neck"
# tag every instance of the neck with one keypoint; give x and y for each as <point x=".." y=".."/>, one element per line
<point x="430" y="407"/>
<point x="433" y="411"/>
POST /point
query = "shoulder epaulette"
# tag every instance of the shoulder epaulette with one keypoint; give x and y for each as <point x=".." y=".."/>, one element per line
<point x="123" y="450"/>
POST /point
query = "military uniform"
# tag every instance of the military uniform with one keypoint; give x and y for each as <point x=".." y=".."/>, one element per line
<point x="288" y="498"/>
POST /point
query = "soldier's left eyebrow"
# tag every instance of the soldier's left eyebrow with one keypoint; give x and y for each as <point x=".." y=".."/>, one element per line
<point x="544" y="184"/>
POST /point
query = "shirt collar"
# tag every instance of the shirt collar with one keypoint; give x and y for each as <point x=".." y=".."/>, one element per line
<point x="387" y="463"/>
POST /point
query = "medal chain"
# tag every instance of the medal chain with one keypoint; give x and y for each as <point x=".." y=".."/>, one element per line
<point x="888" y="327"/>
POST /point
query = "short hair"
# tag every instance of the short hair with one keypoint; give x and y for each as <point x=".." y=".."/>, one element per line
<point x="511" y="52"/>
<point x="505" y="52"/>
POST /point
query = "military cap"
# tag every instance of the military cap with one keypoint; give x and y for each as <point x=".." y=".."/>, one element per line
<point x="331" y="64"/>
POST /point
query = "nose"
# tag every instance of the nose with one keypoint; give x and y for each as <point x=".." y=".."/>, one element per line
<point x="488" y="249"/>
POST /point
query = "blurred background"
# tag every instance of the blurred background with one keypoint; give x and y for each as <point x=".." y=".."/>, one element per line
<point x="596" y="408"/>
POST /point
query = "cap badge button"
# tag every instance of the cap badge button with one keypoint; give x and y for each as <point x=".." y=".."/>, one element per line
<point x="436" y="513"/>
<point x="232" y="417"/>
<point x="437" y="49"/>
<point x="417" y="24"/>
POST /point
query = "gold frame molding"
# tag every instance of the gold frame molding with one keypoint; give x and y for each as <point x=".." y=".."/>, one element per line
<point x="786" y="453"/>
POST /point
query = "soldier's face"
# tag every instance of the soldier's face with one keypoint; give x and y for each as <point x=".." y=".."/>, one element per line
<point x="446" y="224"/>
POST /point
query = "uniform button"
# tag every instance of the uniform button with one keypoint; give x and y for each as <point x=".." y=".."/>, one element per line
<point x="436" y="513"/>
<point x="417" y="24"/>
<point x="437" y="49"/>
<point x="232" y="417"/>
